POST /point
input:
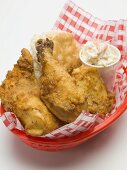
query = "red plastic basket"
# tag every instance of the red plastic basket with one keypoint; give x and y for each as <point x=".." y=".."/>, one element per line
<point x="107" y="30"/>
<point x="68" y="142"/>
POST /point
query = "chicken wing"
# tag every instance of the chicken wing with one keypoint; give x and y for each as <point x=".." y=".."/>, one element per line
<point x="20" y="94"/>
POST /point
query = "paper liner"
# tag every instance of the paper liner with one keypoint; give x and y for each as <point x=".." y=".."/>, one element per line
<point x="85" y="27"/>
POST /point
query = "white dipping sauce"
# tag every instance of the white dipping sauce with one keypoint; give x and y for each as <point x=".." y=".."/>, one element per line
<point x="99" y="53"/>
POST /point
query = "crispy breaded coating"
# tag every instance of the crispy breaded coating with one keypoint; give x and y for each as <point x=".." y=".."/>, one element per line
<point x="66" y="48"/>
<point x="90" y="84"/>
<point x="58" y="90"/>
<point x="66" y="95"/>
<point x="20" y="94"/>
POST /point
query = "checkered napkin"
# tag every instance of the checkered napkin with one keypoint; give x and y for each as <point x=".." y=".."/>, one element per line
<point x="84" y="27"/>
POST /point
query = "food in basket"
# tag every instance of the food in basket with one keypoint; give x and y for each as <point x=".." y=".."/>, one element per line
<point x="64" y="88"/>
<point x="20" y="93"/>
<point x="66" y="50"/>
<point x="66" y="95"/>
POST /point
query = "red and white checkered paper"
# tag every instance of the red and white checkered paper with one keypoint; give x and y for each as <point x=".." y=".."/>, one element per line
<point x="84" y="27"/>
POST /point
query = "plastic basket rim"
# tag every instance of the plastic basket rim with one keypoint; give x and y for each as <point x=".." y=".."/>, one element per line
<point x="81" y="136"/>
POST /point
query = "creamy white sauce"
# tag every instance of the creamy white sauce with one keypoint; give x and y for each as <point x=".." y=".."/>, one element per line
<point x="99" y="53"/>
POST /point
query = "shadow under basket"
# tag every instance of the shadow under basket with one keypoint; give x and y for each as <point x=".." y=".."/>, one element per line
<point x="64" y="143"/>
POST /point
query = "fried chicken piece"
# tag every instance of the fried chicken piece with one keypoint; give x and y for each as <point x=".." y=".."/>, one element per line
<point x="92" y="87"/>
<point x="67" y="95"/>
<point x="66" y="48"/>
<point x="20" y="94"/>
<point x="58" y="88"/>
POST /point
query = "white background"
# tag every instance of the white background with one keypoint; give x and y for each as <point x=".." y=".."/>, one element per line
<point x="19" y="21"/>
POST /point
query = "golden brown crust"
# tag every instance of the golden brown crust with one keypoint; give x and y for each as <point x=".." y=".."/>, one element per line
<point x="65" y="49"/>
<point x="20" y="94"/>
<point x="66" y="95"/>
<point x="97" y="98"/>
